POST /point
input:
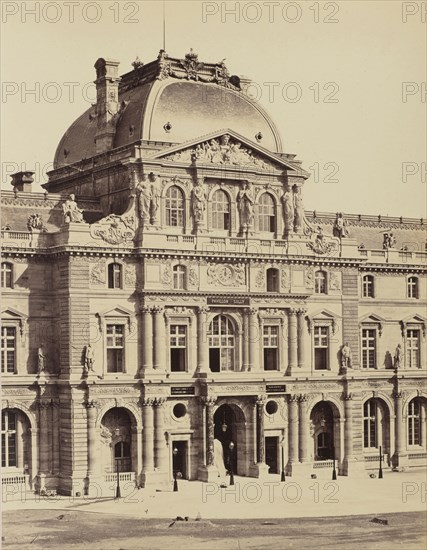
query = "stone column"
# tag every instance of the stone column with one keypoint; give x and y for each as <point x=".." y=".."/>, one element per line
<point x="293" y="429"/>
<point x="202" y="340"/>
<point x="301" y="340"/>
<point x="260" y="408"/>
<point x="245" y="342"/>
<point x="254" y="336"/>
<point x="303" y="429"/>
<point x="147" y="338"/>
<point x="348" y="433"/>
<point x="55" y="436"/>
<point x="293" y="338"/>
<point x="43" y="436"/>
<point x="260" y="469"/>
<point x="160" y="449"/>
<point x="208" y="472"/>
<point x="159" y="338"/>
<point x="34" y="456"/>
<point x="147" y="438"/>
<point x="400" y="428"/>
<point x="92" y="454"/>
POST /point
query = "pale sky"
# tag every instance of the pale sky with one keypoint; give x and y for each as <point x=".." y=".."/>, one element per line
<point x="343" y="113"/>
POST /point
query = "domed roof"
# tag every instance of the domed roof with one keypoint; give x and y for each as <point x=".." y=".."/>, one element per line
<point x="171" y="107"/>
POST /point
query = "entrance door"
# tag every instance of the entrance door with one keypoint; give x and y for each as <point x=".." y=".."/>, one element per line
<point x="324" y="446"/>
<point x="179" y="459"/>
<point x="272" y="454"/>
<point x="122" y="459"/>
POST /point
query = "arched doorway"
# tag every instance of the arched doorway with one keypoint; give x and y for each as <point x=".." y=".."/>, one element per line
<point x="116" y="436"/>
<point x="325" y="437"/>
<point x="229" y="426"/>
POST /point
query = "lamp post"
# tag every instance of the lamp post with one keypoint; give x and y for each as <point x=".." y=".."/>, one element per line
<point x="175" y="480"/>
<point x="380" y="471"/>
<point x="283" y="477"/>
<point x="231" y="447"/>
<point x="334" y="472"/>
<point x="118" y="492"/>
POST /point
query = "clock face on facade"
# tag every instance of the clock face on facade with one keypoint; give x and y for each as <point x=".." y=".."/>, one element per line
<point x="225" y="274"/>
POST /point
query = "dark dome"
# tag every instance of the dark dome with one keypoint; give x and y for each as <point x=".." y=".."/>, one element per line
<point x="189" y="109"/>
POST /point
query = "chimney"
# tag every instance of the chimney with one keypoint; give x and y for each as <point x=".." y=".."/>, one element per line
<point x="107" y="102"/>
<point x="22" y="181"/>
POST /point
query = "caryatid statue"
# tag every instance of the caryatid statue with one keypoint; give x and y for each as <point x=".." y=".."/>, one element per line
<point x="144" y="199"/>
<point x="288" y="210"/>
<point x="155" y="198"/>
<point x="245" y="204"/>
<point x="198" y="203"/>
<point x="298" y="209"/>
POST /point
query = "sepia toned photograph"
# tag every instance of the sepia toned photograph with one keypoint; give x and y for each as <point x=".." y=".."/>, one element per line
<point x="213" y="274"/>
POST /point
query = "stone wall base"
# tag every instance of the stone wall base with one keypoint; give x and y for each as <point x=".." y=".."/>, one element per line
<point x="208" y="474"/>
<point x="259" y="470"/>
<point x="299" y="469"/>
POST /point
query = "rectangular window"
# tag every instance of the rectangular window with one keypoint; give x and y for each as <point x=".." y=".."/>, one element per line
<point x="369" y="348"/>
<point x="271" y="344"/>
<point x="8" y="439"/>
<point x="412" y="349"/>
<point x="115" y="348"/>
<point x="178" y="347"/>
<point x="321" y="346"/>
<point x="8" y="349"/>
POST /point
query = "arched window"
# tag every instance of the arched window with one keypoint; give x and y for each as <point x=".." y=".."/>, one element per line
<point x="320" y="282"/>
<point x="266" y="210"/>
<point x="6" y="275"/>
<point x="220" y="210"/>
<point x="370" y="420"/>
<point x="179" y="273"/>
<point x="414" y="422"/>
<point x="174" y="207"/>
<point x="114" y="275"/>
<point x="272" y="280"/>
<point x="368" y="286"/>
<point x="412" y="287"/>
<point x="221" y="344"/>
<point x="8" y="439"/>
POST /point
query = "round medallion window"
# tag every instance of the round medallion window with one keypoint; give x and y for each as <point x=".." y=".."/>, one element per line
<point x="271" y="407"/>
<point x="179" y="410"/>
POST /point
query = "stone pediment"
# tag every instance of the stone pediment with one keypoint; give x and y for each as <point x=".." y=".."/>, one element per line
<point x="227" y="148"/>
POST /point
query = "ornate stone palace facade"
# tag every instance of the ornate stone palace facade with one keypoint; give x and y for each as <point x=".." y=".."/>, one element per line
<point x="168" y="295"/>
